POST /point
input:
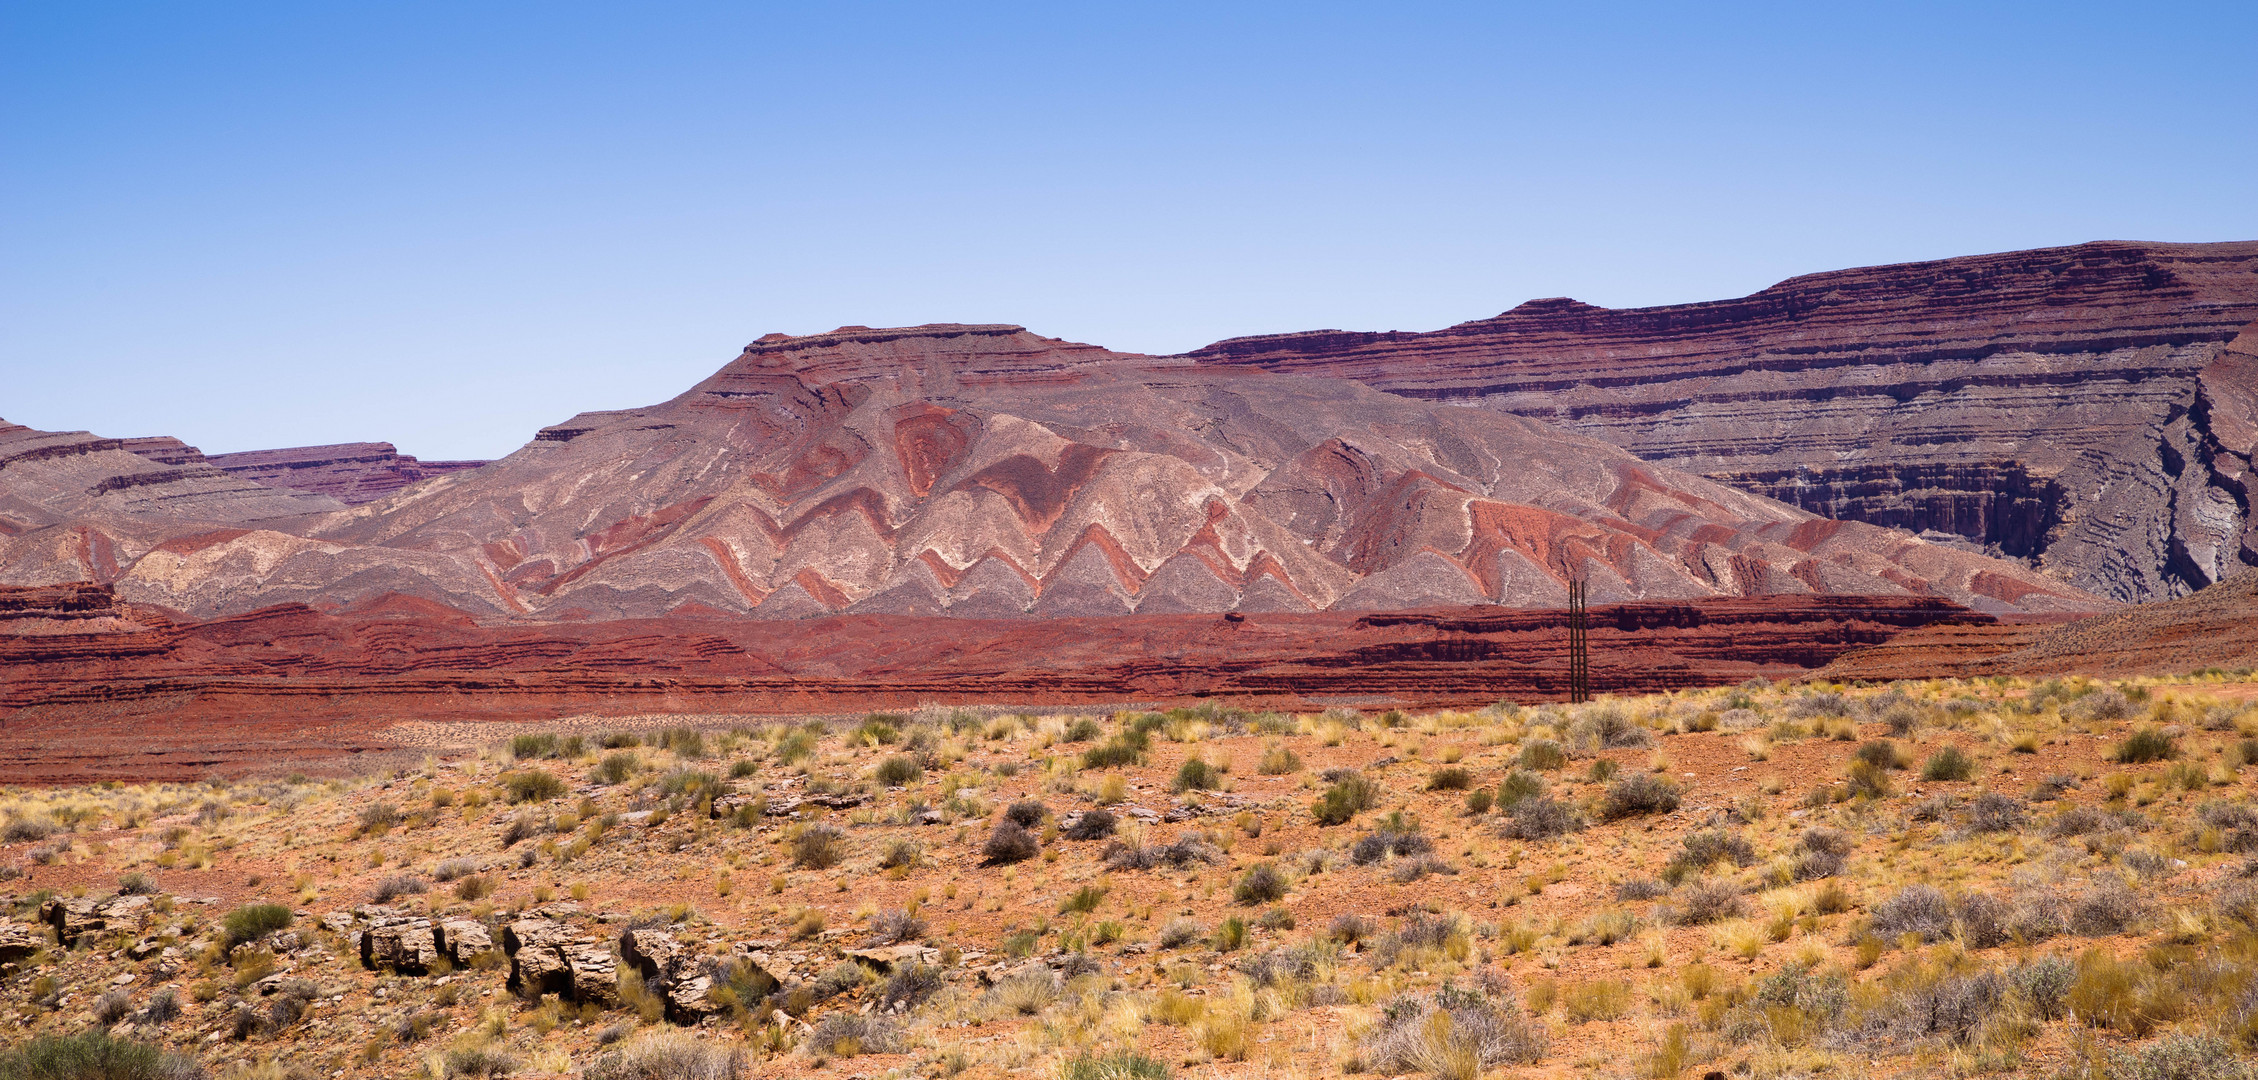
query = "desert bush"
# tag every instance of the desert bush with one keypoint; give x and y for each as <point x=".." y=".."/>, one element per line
<point x="532" y="785"/>
<point x="475" y="887"/>
<point x="1708" y="901"/>
<point x="2103" y="704"/>
<point x="92" y="1055"/>
<point x="1701" y="850"/>
<point x="1125" y="748"/>
<point x="1187" y="850"/>
<point x="112" y="1007"/>
<point x="394" y="886"/>
<point x="377" y="817"/>
<point x="910" y="986"/>
<point x="1642" y="793"/>
<point x="452" y="869"/>
<point x="668" y="1054"/>
<point x="1993" y="812"/>
<point x="2181" y="1056"/>
<point x="1539" y="818"/>
<point x="1008" y="843"/>
<point x="1179" y="933"/>
<point x="818" y="847"/>
<point x="163" y="1008"/>
<point x="1278" y="761"/>
<point x="1450" y="778"/>
<point x="1640" y="889"/>
<point x="1026" y="813"/>
<point x="1196" y="775"/>
<point x="1351" y="793"/>
<point x="795" y="748"/>
<point x="1230" y="934"/>
<point x="2108" y="906"/>
<point x="26" y="831"/>
<point x="1452" y="1034"/>
<point x="2144" y="746"/>
<point x="1882" y="754"/>
<point x="687" y="743"/>
<point x="2122" y="995"/>
<point x="2045" y="985"/>
<point x="615" y="768"/>
<point x="901" y="852"/>
<point x="1114" y="1065"/>
<point x="1349" y="928"/>
<point x="1949" y="763"/>
<point x="136" y="883"/>
<point x="1518" y="784"/>
<point x="1091" y="825"/>
<point x="899" y="770"/>
<point x="481" y="1061"/>
<point x="897" y="925"/>
<point x="1915" y="909"/>
<point x="1542" y="754"/>
<point x="528" y="747"/>
<point x="1383" y="842"/>
<point x="1478" y="802"/>
<point x="1261" y="884"/>
<point x="253" y="921"/>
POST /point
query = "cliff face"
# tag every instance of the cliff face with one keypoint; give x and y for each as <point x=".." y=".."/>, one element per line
<point x="988" y="472"/>
<point x="2088" y="409"/>
<point x="351" y="473"/>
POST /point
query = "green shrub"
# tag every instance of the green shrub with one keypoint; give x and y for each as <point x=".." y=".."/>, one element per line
<point x="1231" y="935"/>
<point x="1085" y="900"/>
<point x="1518" y="785"/>
<point x="254" y="921"/>
<point x="1478" y="802"/>
<point x="1451" y="778"/>
<point x="1197" y="775"/>
<point x="1542" y="754"/>
<point x="532" y="785"/>
<point x="742" y="768"/>
<point x="796" y="747"/>
<point x="878" y="729"/>
<point x="899" y="770"/>
<point x="2144" y="746"/>
<point x="685" y="742"/>
<point x="1127" y="748"/>
<point x="616" y="767"/>
<point x="1083" y="729"/>
<point x="526" y="747"/>
<point x="1601" y="771"/>
<point x="1350" y="793"/>
<point x="1949" y="764"/>
<point x="92" y="1055"/>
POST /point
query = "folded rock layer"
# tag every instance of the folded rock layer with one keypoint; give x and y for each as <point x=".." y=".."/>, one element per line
<point x="2090" y="410"/>
<point x="982" y="472"/>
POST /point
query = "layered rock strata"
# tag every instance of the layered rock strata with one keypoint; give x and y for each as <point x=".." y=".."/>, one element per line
<point x="351" y="473"/>
<point x="986" y="472"/>
<point x="2088" y="409"/>
<point x="294" y="688"/>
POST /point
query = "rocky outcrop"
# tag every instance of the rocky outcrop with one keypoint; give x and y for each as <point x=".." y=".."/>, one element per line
<point x="351" y="473"/>
<point x="76" y="917"/>
<point x="548" y="957"/>
<point x="2084" y="408"/>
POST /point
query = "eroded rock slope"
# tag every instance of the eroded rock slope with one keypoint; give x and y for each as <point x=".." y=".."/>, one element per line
<point x="985" y="471"/>
<point x="2090" y="410"/>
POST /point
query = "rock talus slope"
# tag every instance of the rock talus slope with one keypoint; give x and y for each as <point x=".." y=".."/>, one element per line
<point x="2088" y="409"/>
<point x="986" y="471"/>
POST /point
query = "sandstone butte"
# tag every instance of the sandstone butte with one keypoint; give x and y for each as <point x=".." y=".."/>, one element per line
<point x="2090" y="410"/>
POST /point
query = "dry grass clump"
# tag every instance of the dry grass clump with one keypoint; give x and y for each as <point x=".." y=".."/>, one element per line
<point x="1639" y="794"/>
<point x="1540" y="818"/>
<point x="818" y="847"/>
<point x="1453" y="1034"/>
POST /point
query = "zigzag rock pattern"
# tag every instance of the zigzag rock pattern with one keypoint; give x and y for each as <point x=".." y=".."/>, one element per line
<point x="2089" y="410"/>
<point x="985" y="471"/>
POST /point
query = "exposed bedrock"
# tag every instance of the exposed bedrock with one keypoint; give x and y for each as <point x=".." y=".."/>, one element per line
<point x="2087" y="408"/>
<point x="989" y="472"/>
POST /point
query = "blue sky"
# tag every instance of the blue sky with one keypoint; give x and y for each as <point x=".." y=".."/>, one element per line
<point x="445" y="225"/>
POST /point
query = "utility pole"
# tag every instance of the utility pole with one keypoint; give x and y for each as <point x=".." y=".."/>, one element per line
<point x="1579" y="647"/>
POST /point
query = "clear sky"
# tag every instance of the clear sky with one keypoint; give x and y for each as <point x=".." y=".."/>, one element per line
<point x="447" y="224"/>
